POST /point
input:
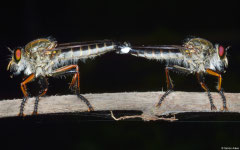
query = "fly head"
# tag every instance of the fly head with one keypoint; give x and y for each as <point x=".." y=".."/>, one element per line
<point x="15" y="65"/>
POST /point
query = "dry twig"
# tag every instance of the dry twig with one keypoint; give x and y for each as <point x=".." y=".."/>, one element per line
<point x="175" y="103"/>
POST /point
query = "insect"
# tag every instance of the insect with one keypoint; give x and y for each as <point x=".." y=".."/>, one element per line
<point x="43" y="58"/>
<point x="196" y="56"/>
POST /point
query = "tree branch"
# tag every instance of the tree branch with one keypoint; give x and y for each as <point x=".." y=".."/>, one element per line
<point x="176" y="102"/>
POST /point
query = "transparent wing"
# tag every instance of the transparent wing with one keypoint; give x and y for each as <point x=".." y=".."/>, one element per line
<point x="77" y="44"/>
<point x="159" y="47"/>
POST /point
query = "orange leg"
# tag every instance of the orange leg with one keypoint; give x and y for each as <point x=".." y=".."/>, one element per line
<point x="74" y="81"/>
<point x="168" y="79"/>
<point x="23" y="84"/>
<point x="211" y="72"/>
<point x="204" y="86"/>
<point x="44" y="92"/>
<point x="219" y="87"/>
<point x="76" y="78"/>
<point x="24" y="90"/>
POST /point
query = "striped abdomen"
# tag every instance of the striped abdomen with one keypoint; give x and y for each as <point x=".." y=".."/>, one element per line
<point x="86" y="50"/>
<point x="159" y="53"/>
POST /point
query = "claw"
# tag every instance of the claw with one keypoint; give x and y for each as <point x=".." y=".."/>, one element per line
<point x="213" y="108"/>
<point x="21" y="114"/>
<point x="90" y="109"/>
<point x="224" y="109"/>
<point x="158" y="105"/>
<point x="34" y="113"/>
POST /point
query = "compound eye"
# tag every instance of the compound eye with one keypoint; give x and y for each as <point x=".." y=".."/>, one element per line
<point x="221" y="51"/>
<point x="17" y="55"/>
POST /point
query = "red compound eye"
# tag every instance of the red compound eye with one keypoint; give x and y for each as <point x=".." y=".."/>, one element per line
<point x="17" y="54"/>
<point x="221" y="50"/>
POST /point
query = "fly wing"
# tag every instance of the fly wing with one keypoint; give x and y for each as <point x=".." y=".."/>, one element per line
<point x="160" y="52"/>
<point x="160" y="48"/>
<point x="81" y="50"/>
<point x="77" y="45"/>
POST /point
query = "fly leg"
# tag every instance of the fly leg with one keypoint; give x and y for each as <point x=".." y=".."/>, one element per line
<point x="169" y="86"/>
<point x="25" y="94"/>
<point x="44" y="84"/>
<point x="169" y="81"/>
<point x="204" y="86"/>
<point x="219" y="87"/>
<point x="75" y="82"/>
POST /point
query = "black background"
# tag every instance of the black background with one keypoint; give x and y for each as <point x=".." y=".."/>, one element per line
<point x="139" y="22"/>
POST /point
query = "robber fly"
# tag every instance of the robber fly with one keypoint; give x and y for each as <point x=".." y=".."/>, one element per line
<point x="196" y="56"/>
<point x="43" y="58"/>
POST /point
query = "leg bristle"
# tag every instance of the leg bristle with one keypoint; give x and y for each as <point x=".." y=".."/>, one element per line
<point x="35" y="111"/>
<point x="90" y="108"/>
<point x="22" y="106"/>
<point x="163" y="97"/>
